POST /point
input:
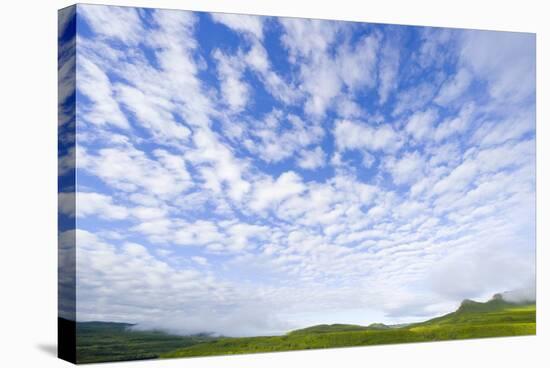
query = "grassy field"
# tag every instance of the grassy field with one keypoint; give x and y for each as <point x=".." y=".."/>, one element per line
<point x="104" y="341"/>
<point x="107" y="341"/>
<point x="472" y="320"/>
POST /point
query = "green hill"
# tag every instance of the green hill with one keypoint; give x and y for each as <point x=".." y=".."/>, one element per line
<point x="496" y="310"/>
<point x="472" y="319"/>
<point x="378" y="326"/>
<point x="328" y="328"/>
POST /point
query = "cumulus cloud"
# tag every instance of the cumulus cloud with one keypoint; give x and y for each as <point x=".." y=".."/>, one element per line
<point x="280" y="141"/>
<point x="357" y="135"/>
<point x="407" y="168"/>
<point x="456" y="124"/>
<point x="511" y="75"/>
<point x="270" y="192"/>
<point x="511" y="128"/>
<point x="388" y="71"/>
<point x="421" y="124"/>
<point x="257" y="60"/>
<point x="414" y="98"/>
<point x="120" y="23"/>
<point x="323" y="76"/>
<point x="152" y="113"/>
<point x="96" y="85"/>
<point x="241" y="23"/>
<point x="453" y="87"/>
<point x="312" y="159"/>
<point x="235" y="92"/>
<point x="217" y="165"/>
<point x="100" y="205"/>
<point x="129" y="169"/>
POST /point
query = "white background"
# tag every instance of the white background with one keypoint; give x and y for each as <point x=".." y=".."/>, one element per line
<point x="28" y="182"/>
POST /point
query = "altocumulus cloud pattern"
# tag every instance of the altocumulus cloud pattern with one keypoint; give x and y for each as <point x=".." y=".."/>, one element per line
<point x="248" y="175"/>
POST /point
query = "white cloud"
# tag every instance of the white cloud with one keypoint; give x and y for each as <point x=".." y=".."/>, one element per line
<point x="269" y="192"/>
<point x="486" y="161"/>
<point x="322" y="75"/>
<point x="198" y="234"/>
<point x="507" y="156"/>
<point x="148" y="213"/>
<point x="454" y="87"/>
<point x="388" y="68"/>
<point x="98" y="204"/>
<point x="407" y="169"/>
<point x="155" y="228"/>
<point x="175" y="80"/>
<point x="455" y="125"/>
<point x="322" y="84"/>
<point x="334" y="203"/>
<point x="348" y="108"/>
<point x="257" y="59"/>
<point x="66" y="66"/>
<point x="129" y="169"/>
<point x="357" y="64"/>
<point x="223" y="236"/>
<point x="409" y="209"/>
<point x="95" y="84"/>
<point x="413" y="98"/>
<point x="202" y="261"/>
<point x="477" y="272"/>
<point x="368" y="159"/>
<point x="421" y="124"/>
<point x="377" y="211"/>
<point x="91" y="204"/>
<point x="499" y="131"/>
<point x="460" y="177"/>
<point x="312" y="159"/>
<point x="279" y="142"/>
<point x="250" y="24"/>
<point x="235" y="91"/>
<point x="153" y="113"/>
<point x="172" y="87"/>
<point x="138" y="285"/>
<point x="432" y="50"/>
<point x="116" y="22"/>
<point x="351" y="135"/>
<point x="66" y="203"/>
<point x="217" y="165"/>
<point x="504" y="59"/>
<point x="243" y="235"/>
<point x="304" y="37"/>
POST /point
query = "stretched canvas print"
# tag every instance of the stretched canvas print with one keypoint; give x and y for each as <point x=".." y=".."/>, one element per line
<point x="234" y="184"/>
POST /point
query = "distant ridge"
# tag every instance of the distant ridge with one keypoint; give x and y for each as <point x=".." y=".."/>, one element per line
<point x="105" y="324"/>
<point x="324" y="328"/>
<point x="497" y="302"/>
<point x="467" y="307"/>
<point x="378" y="326"/>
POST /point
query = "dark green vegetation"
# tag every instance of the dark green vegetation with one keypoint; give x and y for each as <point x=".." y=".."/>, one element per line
<point x="109" y="341"/>
<point x="472" y="320"/>
<point x="104" y="341"/>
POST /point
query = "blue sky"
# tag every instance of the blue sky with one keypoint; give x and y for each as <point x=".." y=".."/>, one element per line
<point x="249" y="175"/>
